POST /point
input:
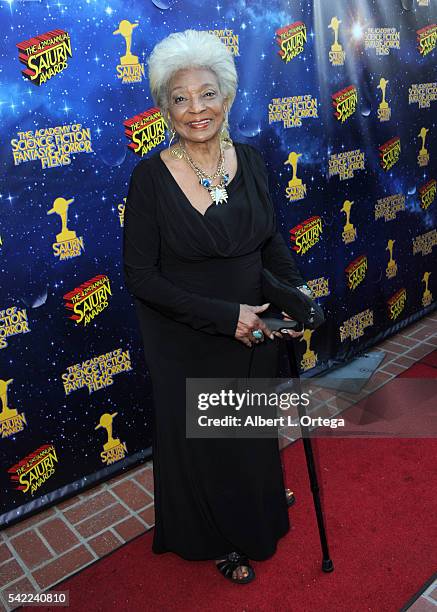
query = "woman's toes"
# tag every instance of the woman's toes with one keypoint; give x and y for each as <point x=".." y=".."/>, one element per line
<point x="241" y="572"/>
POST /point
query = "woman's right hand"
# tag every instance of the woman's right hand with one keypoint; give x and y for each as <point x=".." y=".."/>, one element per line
<point x="248" y="321"/>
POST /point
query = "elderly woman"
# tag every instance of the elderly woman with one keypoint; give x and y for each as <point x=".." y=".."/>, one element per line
<point x="199" y="227"/>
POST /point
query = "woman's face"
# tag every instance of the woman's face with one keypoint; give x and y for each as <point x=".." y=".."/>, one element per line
<point x="196" y="106"/>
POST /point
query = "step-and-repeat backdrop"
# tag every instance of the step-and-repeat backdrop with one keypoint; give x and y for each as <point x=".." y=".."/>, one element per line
<point x="339" y="96"/>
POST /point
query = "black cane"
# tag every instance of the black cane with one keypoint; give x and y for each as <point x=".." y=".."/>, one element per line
<point x="327" y="564"/>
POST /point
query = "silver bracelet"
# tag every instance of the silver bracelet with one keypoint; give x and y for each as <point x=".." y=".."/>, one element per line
<point x="305" y="289"/>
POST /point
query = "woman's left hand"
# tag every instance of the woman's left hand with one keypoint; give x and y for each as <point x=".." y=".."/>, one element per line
<point x="289" y="332"/>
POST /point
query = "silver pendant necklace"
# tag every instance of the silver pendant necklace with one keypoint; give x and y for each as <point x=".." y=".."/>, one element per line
<point x="218" y="192"/>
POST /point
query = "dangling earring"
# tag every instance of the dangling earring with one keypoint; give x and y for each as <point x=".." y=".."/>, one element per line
<point x="176" y="151"/>
<point x="172" y="135"/>
<point x="224" y="132"/>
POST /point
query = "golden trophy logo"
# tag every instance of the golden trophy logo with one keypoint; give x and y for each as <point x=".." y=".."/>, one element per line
<point x="426" y="39"/>
<point x="11" y="422"/>
<point x="349" y="231"/>
<point x="345" y="102"/>
<point x="336" y="55"/>
<point x="129" y="70"/>
<point x="291" y="40"/>
<point x="45" y="55"/>
<point x="67" y="244"/>
<point x="309" y="358"/>
<point x="389" y="153"/>
<point x="12" y="322"/>
<point x="89" y="299"/>
<point x="356" y="272"/>
<point x="427" y="295"/>
<point x="396" y="304"/>
<point x="384" y="111"/>
<point x="35" y="469"/>
<point x="423" y="157"/>
<point x="296" y="190"/>
<point x="306" y="234"/>
<point x="120" y="209"/>
<point x="392" y="266"/>
<point x="145" y="131"/>
<point x="113" y="449"/>
<point x="427" y="193"/>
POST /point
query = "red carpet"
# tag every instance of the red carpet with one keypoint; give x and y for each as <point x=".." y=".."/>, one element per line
<point x="379" y="498"/>
<point x="430" y="359"/>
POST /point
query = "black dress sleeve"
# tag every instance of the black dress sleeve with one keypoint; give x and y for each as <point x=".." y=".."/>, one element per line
<point x="142" y="277"/>
<point x="276" y="256"/>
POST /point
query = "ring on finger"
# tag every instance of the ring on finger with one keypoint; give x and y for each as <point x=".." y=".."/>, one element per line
<point x="258" y="334"/>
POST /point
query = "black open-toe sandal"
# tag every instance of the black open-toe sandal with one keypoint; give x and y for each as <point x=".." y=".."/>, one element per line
<point x="231" y="563"/>
<point x="289" y="496"/>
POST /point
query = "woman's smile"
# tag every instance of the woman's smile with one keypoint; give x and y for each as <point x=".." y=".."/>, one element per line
<point x="199" y="125"/>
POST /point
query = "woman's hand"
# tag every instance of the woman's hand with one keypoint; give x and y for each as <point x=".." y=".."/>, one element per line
<point x="248" y="321"/>
<point x="289" y="332"/>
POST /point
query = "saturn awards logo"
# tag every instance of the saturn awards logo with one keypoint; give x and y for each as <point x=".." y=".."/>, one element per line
<point x="88" y="300"/>
<point x="392" y="266"/>
<point x="145" y="131"/>
<point x="45" y="55"/>
<point x="423" y="156"/>
<point x="309" y="358"/>
<point x="427" y="295"/>
<point x="349" y="233"/>
<point x="396" y="304"/>
<point x="291" y="40"/>
<point x="345" y="102"/>
<point x="426" y="39"/>
<point x="427" y="193"/>
<point x="120" y="211"/>
<point x="296" y="188"/>
<point x="384" y="110"/>
<point x="31" y="472"/>
<point x="389" y="153"/>
<point x="67" y="244"/>
<point x="113" y="448"/>
<point x="11" y="421"/>
<point x="356" y="272"/>
<point x="337" y="55"/>
<point x="129" y="70"/>
<point x="305" y="235"/>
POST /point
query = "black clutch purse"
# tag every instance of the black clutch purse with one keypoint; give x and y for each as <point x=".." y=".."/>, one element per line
<point x="291" y="300"/>
<point x="280" y="324"/>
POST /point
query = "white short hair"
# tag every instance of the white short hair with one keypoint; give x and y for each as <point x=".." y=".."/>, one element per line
<point x="190" y="49"/>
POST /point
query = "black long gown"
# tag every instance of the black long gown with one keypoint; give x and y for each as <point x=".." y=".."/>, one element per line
<point x="188" y="273"/>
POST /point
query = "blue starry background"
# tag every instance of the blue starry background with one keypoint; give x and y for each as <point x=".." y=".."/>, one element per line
<point x="88" y="92"/>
